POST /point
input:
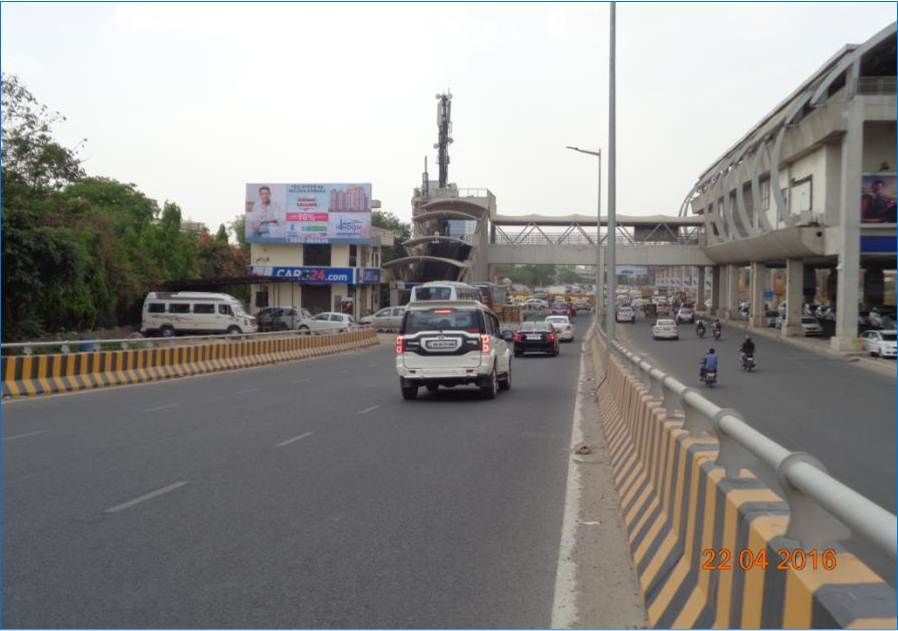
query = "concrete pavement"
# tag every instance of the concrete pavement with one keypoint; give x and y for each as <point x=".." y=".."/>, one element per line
<point x="305" y="494"/>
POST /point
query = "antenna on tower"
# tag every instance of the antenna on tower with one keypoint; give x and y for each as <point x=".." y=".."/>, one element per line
<point x="425" y="181"/>
<point x="444" y="128"/>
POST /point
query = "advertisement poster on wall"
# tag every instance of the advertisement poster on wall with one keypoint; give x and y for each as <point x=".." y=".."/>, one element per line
<point x="308" y="213"/>
<point x="878" y="194"/>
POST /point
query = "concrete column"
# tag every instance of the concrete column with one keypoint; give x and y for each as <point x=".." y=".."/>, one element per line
<point x="794" y="297"/>
<point x="700" y="290"/>
<point x="849" y="237"/>
<point x="394" y="295"/>
<point x="730" y="291"/>
<point x="874" y="286"/>
<point x="756" y="295"/>
<point x="715" y="289"/>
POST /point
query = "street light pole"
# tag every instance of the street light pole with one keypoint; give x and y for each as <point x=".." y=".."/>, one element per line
<point x="612" y="189"/>
<point x="600" y="260"/>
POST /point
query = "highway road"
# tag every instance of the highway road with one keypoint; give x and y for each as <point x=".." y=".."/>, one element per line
<point x="839" y="413"/>
<point x="305" y="494"/>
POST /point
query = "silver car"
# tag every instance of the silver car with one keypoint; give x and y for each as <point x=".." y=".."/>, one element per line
<point x="327" y="322"/>
<point x="387" y="319"/>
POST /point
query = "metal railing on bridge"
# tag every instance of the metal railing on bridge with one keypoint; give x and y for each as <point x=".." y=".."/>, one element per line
<point x="577" y="238"/>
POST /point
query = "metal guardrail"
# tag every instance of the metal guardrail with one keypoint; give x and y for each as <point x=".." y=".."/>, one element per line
<point x="579" y="239"/>
<point x="822" y="509"/>
<point x="80" y="346"/>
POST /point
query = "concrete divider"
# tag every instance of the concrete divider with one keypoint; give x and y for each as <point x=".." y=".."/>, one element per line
<point x="29" y="375"/>
<point x="711" y="551"/>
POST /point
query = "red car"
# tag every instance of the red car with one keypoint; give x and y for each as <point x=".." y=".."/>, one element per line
<point x="563" y="308"/>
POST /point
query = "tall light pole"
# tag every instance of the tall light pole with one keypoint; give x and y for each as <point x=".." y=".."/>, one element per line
<point x="600" y="261"/>
<point x="612" y="189"/>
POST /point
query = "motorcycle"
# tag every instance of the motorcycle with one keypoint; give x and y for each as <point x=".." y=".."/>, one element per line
<point x="716" y="332"/>
<point x="700" y="331"/>
<point x="748" y="362"/>
<point x="709" y="377"/>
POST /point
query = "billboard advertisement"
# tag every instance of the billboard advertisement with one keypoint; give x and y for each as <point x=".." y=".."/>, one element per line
<point x="308" y="213"/>
<point x="878" y="198"/>
<point x="310" y="275"/>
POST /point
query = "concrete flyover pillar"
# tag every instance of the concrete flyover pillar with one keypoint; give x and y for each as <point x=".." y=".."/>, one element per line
<point x="716" y="280"/>
<point x="759" y="278"/>
<point x="794" y="297"/>
<point x="700" y="290"/>
<point x="730" y="292"/>
<point x="849" y="235"/>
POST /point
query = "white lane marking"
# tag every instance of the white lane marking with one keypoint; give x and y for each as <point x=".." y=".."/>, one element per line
<point x="366" y="410"/>
<point x="564" y="602"/>
<point x="247" y="391"/>
<point x="303" y="380"/>
<point x="43" y="431"/>
<point x="148" y="496"/>
<point x="294" y="439"/>
<point x="163" y="407"/>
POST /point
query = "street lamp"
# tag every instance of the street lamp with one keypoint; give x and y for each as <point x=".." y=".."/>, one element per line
<point x="600" y="261"/>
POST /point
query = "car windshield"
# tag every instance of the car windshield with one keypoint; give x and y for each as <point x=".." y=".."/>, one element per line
<point x="665" y="323"/>
<point x="535" y="326"/>
<point x="808" y="321"/>
<point x="560" y="319"/>
<point x="888" y="337"/>
<point x="433" y="293"/>
<point x="468" y="320"/>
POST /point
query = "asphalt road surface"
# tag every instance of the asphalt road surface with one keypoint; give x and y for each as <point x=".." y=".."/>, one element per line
<point x="306" y="494"/>
<point x="839" y="413"/>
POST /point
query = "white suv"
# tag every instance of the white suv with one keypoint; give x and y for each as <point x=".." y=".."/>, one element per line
<point x="451" y="343"/>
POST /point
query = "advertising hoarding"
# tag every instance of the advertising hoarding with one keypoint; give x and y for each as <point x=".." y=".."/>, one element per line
<point x="321" y="275"/>
<point x="308" y="213"/>
<point x="878" y="192"/>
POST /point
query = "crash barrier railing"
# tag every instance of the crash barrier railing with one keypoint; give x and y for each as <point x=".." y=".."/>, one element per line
<point x="73" y="346"/>
<point x="702" y="493"/>
<point x="28" y="375"/>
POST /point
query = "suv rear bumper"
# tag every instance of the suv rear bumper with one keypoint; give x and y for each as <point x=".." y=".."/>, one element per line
<point x="442" y="375"/>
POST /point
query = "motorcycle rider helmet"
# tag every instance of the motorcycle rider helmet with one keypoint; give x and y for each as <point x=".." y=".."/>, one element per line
<point x="710" y="351"/>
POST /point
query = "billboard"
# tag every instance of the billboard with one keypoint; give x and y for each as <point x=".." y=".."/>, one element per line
<point x="878" y="198"/>
<point x="308" y="213"/>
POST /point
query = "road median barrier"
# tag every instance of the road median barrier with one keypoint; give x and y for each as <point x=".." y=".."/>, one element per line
<point x="727" y="529"/>
<point x="29" y="374"/>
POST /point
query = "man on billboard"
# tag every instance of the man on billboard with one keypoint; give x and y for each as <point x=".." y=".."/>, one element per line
<point x="265" y="218"/>
<point x="876" y="206"/>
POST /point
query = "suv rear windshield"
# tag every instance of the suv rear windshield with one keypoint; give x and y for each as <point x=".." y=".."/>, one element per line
<point x="433" y="293"/>
<point x="888" y="337"/>
<point x="468" y="320"/>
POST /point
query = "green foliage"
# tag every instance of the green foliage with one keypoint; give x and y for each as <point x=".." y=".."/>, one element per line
<point x="82" y="252"/>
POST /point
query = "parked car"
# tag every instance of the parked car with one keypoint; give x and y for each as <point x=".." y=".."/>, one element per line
<point x="770" y="319"/>
<point x="563" y="326"/>
<point x="327" y="322"/>
<point x="625" y="314"/>
<point x="811" y="327"/>
<point x="168" y="314"/>
<point x="281" y="318"/>
<point x="665" y="329"/>
<point x="685" y="315"/>
<point x="387" y="319"/>
<point x="452" y="343"/>
<point x="536" y="337"/>
<point x="879" y="343"/>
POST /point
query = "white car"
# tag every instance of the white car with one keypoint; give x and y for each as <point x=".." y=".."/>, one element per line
<point x="452" y="343"/>
<point x="327" y="322"/>
<point x="387" y="319"/>
<point x="168" y="314"/>
<point x="665" y="329"/>
<point x="810" y="327"/>
<point x="562" y="325"/>
<point x="879" y="343"/>
<point x="625" y="314"/>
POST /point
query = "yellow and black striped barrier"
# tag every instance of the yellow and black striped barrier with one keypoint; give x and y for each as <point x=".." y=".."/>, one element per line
<point x="28" y="375"/>
<point x="711" y="551"/>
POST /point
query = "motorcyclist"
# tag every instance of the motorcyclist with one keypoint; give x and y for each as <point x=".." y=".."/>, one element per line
<point x="748" y="346"/>
<point x="699" y="325"/>
<point x="709" y="363"/>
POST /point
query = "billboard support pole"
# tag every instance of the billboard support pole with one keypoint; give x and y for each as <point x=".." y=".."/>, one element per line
<point x="612" y="188"/>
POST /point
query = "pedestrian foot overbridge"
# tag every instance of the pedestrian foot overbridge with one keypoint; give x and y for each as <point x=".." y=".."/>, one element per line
<point x="653" y="240"/>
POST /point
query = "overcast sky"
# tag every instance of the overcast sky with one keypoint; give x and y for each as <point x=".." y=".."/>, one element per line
<point x="191" y="101"/>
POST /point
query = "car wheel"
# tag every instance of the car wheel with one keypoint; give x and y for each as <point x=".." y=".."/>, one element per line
<point x="432" y="387"/>
<point x="490" y="387"/>
<point x="505" y="382"/>
<point x="518" y="353"/>
<point x="677" y="338"/>
<point x="167" y="331"/>
<point x="409" y="392"/>
<point x="233" y="330"/>
<point x="303" y="329"/>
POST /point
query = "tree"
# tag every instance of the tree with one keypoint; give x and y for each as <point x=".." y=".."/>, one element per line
<point x="222" y="234"/>
<point x="401" y="229"/>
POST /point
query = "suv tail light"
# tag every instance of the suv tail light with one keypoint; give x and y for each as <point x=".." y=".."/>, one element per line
<point x="485" y="343"/>
<point x="399" y="345"/>
<point x="551" y="336"/>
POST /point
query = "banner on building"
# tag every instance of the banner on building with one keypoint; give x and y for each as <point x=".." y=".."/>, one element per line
<point x="308" y="213"/>
<point x="878" y="194"/>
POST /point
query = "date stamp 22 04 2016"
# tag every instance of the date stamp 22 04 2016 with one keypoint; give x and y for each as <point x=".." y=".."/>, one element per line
<point x="724" y="559"/>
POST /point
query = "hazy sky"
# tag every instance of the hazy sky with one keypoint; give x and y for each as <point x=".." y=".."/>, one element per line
<point x="191" y="101"/>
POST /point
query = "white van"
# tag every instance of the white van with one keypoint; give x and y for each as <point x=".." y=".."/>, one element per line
<point x="444" y="290"/>
<point x="194" y="313"/>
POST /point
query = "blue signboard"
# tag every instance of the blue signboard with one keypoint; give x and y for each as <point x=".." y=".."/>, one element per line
<point x="310" y="275"/>
<point x="370" y="276"/>
<point x="768" y="296"/>
<point x="877" y="244"/>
